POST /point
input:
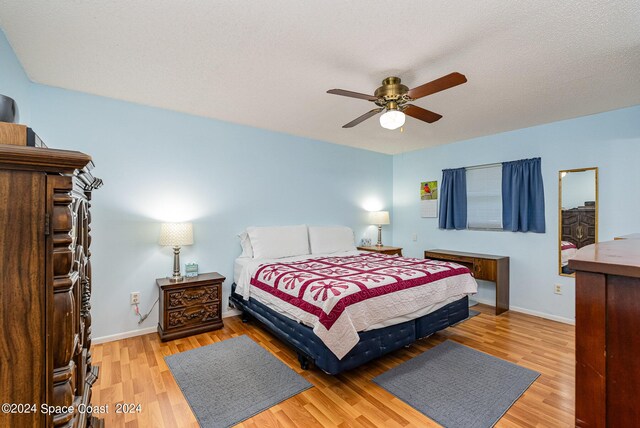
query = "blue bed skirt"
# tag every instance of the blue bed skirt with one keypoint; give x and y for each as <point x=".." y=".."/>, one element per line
<point x="372" y="344"/>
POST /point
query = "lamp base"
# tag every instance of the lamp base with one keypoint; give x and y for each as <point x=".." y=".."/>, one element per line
<point x="379" y="244"/>
<point x="177" y="276"/>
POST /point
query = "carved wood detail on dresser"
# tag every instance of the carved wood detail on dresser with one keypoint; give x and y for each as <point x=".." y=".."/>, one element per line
<point x="190" y="306"/>
<point x="45" y="285"/>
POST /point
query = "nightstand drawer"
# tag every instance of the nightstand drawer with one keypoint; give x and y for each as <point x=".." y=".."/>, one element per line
<point x="193" y="316"/>
<point x="192" y="296"/>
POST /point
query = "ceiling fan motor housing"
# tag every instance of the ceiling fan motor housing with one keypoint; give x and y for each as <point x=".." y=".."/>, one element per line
<point x="392" y="93"/>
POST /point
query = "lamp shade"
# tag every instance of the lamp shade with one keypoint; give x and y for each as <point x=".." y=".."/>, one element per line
<point x="379" y="217"/>
<point x="176" y="234"/>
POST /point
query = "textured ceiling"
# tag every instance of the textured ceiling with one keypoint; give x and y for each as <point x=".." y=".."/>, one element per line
<point x="268" y="64"/>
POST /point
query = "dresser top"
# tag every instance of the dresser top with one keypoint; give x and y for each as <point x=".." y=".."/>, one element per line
<point x="190" y="281"/>
<point x="621" y="257"/>
<point x="376" y="248"/>
<point x="465" y="254"/>
<point x="42" y="159"/>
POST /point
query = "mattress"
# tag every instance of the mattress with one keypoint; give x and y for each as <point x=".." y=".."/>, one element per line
<point x="372" y="344"/>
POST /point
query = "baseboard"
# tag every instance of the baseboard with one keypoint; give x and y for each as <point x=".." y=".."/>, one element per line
<point x="543" y="315"/>
<point x="140" y="332"/>
<point x="529" y="312"/>
<point x="231" y="313"/>
<point x="125" y="335"/>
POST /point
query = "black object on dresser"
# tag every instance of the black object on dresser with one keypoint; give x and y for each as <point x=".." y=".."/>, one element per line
<point x="190" y="306"/>
<point x="8" y="109"/>
<point x="45" y="286"/>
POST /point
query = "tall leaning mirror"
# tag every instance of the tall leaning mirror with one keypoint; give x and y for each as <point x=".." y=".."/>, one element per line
<point x="578" y="213"/>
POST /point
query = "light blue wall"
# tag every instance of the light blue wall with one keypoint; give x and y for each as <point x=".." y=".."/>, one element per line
<point x="14" y="82"/>
<point x="610" y="141"/>
<point x="159" y="165"/>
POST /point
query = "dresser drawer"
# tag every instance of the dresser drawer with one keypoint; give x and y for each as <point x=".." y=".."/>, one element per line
<point x="192" y="296"/>
<point x="193" y="316"/>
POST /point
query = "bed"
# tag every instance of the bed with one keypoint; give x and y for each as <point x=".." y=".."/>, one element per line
<point x="568" y="250"/>
<point x="342" y="309"/>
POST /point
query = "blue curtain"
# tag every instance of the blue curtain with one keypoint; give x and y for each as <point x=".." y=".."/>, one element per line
<point x="453" y="199"/>
<point x="523" y="196"/>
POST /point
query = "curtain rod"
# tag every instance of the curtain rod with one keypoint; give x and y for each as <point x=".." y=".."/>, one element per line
<point x="486" y="165"/>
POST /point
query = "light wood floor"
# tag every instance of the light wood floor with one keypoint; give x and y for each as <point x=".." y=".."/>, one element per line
<point x="133" y="371"/>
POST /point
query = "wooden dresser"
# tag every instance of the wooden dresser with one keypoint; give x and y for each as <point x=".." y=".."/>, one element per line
<point x="608" y="334"/>
<point x="45" y="287"/>
<point x="190" y="306"/>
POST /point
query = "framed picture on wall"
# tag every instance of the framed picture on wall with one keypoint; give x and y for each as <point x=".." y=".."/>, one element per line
<point x="429" y="199"/>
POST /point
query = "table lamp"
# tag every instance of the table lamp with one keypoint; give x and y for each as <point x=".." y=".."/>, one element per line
<point x="176" y="235"/>
<point x="379" y="218"/>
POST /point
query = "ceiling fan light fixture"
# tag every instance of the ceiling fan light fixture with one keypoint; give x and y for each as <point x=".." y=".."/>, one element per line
<point x="392" y="119"/>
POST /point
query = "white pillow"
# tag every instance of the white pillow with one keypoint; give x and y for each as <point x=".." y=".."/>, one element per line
<point x="331" y="239"/>
<point x="245" y="242"/>
<point x="278" y="242"/>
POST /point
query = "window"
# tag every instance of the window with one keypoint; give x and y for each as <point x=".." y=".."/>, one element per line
<point x="484" y="197"/>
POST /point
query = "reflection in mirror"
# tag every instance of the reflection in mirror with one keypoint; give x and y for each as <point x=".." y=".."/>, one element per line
<point x="578" y="214"/>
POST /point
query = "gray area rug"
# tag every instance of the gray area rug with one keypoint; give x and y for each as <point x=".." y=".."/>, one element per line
<point x="457" y="386"/>
<point x="230" y="381"/>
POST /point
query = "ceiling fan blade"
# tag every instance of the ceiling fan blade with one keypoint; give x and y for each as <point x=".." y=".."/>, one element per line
<point x="362" y="118"/>
<point x="351" y="94"/>
<point x="421" y="114"/>
<point x="445" y="82"/>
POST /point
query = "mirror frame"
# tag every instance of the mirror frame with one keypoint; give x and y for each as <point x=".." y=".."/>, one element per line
<point x="593" y="168"/>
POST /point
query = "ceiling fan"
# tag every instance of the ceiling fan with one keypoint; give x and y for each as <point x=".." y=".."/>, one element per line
<point x="394" y="97"/>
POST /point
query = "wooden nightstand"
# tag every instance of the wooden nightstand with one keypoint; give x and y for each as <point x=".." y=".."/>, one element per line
<point x="190" y="306"/>
<point x="383" y="250"/>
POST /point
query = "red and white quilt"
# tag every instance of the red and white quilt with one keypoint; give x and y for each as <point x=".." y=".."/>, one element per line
<point x="340" y="296"/>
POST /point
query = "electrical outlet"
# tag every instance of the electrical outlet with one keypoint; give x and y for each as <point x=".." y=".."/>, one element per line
<point x="414" y="237"/>
<point x="558" y="289"/>
<point x="135" y="298"/>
